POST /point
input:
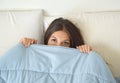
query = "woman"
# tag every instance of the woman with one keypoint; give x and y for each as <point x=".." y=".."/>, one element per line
<point x="62" y="32"/>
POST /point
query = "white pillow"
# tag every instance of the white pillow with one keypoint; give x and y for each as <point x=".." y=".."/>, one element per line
<point x="48" y="20"/>
<point x="17" y="24"/>
<point x="101" y="30"/>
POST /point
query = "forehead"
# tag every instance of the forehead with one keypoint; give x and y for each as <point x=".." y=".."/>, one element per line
<point x="60" y="34"/>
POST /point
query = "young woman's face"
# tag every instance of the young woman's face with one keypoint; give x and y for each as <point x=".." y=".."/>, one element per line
<point x="59" y="38"/>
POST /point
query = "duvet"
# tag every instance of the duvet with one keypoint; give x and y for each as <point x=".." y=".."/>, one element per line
<point x="52" y="64"/>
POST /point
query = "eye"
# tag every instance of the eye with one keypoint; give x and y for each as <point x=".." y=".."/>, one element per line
<point x="66" y="44"/>
<point x="53" y="40"/>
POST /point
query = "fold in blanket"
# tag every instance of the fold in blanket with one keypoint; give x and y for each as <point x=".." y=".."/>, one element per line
<point x="52" y="64"/>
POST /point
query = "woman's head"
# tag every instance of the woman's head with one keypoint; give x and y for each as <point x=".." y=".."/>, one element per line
<point x="64" y="32"/>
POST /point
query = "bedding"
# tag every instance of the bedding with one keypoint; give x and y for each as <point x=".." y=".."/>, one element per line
<point x="117" y="79"/>
<point x="52" y="64"/>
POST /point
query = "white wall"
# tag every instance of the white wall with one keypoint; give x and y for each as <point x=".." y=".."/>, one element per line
<point x="60" y="6"/>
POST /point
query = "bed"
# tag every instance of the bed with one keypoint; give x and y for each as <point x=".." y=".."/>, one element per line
<point x="99" y="29"/>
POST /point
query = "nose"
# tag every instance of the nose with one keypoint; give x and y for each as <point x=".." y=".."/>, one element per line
<point x="58" y="44"/>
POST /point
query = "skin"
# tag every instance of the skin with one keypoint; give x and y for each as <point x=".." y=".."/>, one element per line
<point x="58" y="38"/>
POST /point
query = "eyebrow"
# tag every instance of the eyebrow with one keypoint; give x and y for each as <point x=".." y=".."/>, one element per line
<point x="67" y="40"/>
<point x="53" y="36"/>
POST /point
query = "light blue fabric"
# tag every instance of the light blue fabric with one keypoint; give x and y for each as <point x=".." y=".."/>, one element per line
<point x="52" y="64"/>
<point x="117" y="79"/>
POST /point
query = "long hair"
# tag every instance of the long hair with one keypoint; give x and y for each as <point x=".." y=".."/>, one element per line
<point x="73" y="32"/>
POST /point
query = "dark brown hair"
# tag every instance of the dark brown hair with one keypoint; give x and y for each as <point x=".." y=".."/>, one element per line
<point x="59" y="24"/>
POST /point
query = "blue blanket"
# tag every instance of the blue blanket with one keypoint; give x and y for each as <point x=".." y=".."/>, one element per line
<point x="52" y="64"/>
